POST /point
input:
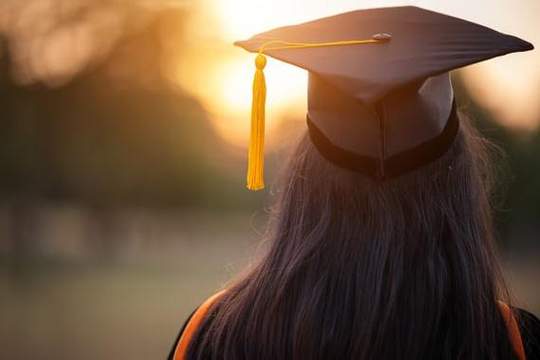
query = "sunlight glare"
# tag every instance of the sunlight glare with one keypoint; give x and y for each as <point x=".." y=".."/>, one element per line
<point x="232" y="79"/>
<point x="504" y="92"/>
<point x="286" y="89"/>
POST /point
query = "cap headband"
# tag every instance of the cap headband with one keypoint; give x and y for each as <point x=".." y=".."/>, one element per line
<point x="394" y="165"/>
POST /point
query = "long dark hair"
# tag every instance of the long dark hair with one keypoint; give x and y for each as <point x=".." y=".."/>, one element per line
<point x="360" y="269"/>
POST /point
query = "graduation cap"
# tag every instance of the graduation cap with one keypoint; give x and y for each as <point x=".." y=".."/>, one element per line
<point x="380" y="100"/>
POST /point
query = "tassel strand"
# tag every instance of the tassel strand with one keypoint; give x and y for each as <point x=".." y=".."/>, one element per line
<point x="255" y="173"/>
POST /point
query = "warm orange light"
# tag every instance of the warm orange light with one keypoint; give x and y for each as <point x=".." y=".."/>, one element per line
<point x="241" y="19"/>
<point x="509" y="95"/>
<point x="286" y="89"/>
<point x="221" y="76"/>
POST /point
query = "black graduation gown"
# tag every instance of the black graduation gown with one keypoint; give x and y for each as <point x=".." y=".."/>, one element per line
<point x="529" y="327"/>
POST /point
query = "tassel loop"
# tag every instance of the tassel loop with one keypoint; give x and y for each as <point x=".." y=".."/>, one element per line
<point x="255" y="173"/>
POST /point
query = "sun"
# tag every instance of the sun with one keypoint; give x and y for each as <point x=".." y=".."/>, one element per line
<point x="286" y="94"/>
<point x="223" y="81"/>
<point x="243" y="18"/>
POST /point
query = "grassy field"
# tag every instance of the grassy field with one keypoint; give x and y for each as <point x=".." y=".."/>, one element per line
<point x="130" y="306"/>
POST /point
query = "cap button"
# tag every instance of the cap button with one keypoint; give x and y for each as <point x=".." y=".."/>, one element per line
<point x="260" y="61"/>
<point x="382" y="37"/>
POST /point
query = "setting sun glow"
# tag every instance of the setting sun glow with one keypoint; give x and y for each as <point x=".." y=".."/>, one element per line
<point x="286" y="89"/>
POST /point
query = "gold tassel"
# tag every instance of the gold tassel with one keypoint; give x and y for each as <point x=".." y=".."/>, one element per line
<point x="255" y="177"/>
<point x="255" y="172"/>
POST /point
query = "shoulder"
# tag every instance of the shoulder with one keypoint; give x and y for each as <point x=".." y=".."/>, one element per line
<point x="177" y="339"/>
<point x="529" y="326"/>
<point x="190" y="327"/>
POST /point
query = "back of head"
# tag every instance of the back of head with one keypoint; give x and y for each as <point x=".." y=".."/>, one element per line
<point x="362" y="269"/>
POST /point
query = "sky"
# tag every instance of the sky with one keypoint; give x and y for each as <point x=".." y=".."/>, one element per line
<point x="508" y="86"/>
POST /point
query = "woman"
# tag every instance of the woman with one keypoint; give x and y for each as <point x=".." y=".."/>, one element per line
<point x="381" y="239"/>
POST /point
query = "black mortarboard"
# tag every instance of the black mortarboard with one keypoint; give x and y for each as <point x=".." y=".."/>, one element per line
<point x="380" y="100"/>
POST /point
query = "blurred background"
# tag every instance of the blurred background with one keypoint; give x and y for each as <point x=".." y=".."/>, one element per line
<point x="123" y="137"/>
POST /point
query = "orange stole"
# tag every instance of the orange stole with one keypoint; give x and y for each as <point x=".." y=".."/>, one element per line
<point x="192" y="326"/>
<point x="513" y="330"/>
<point x="199" y="315"/>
